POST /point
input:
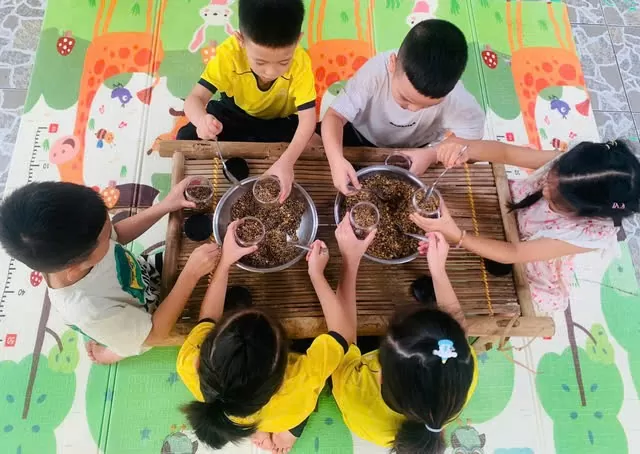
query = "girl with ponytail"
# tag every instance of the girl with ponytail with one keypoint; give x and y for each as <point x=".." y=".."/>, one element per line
<point x="239" y="369"/>
<point x="403" y="395"/>
<point x="573" y="203"/>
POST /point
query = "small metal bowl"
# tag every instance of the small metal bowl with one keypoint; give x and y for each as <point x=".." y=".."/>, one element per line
<point x="394" y="172"/>
<point x="306" y="232"/>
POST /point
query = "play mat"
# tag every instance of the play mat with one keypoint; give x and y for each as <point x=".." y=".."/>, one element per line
<point x="108" y="85"/>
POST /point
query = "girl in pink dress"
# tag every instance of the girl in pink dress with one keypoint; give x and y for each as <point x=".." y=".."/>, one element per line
<point x="573" y="203"/>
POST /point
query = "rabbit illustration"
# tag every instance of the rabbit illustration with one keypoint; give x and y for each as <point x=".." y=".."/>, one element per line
<point x="216" y="14"/>
<point x="422" y="10"/>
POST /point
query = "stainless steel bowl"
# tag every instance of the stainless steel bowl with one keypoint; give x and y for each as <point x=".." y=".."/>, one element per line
<point x="394" y="172"/>
<point x="306" y="232"/>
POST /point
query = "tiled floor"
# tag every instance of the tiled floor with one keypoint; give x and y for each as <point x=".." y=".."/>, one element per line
<point x="607" y="33"/>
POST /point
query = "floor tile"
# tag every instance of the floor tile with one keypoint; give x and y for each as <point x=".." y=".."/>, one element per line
<point x="600" y="68"/>
<point x="621" y="12"/>
<point x="615" y="125"/>
<point x="585" y="11"/>
<point x="626" y="44"/>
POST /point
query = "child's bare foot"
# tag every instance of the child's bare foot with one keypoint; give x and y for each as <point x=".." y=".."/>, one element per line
<point x="262" y="440"/>
<point x="282" y="442"/>
<point x="100" y="354"/>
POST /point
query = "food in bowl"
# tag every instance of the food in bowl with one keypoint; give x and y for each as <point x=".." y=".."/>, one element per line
<point x="390" y="242"/>
<point x="278" y="220"/>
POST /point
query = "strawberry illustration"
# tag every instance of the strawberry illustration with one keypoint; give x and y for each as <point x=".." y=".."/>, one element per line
<point x="110" y="195"/>
<point x="35" y="278"/>
<point x="65" y="44"/>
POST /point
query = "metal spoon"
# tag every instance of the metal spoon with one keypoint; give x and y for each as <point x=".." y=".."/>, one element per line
<point x="416" y="236"/>
<point x="294" y="243"/>
<point x="433" y="185"/>
<point x="233" y="179"/>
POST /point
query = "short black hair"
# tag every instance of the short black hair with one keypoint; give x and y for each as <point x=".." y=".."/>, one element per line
<point x="51" y="225"/>
<point x="434" y="55"/>
<point x="271" y="23"/>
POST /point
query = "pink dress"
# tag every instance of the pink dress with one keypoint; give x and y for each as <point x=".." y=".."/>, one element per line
<point x="550" y="279"/>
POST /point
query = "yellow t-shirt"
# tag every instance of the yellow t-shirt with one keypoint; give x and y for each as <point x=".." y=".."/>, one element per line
<point x="229" y="72"/>
<point x="356" y="388"/>
<point x="304" y="378"/>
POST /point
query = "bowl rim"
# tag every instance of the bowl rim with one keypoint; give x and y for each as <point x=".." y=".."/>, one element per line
<point x="377" y="168"/>
<point x="219" y="236"/>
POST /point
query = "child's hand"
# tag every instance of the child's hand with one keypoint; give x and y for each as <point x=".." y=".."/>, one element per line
<point x="208" y="127"/>
<point x="317" y="258"/>
<point x="343" y="174"/>
<point x="231" y="250"/>
<point x="451" y="152"/>
<point x="436" y="250"/>
<point x="202" y="260"/>
<point x="421" y="159"/>
<point x="445" y="225"/>
<point x="351" y="248"/>
<point x="284" y="172"/>
<point x="175" y="199"/>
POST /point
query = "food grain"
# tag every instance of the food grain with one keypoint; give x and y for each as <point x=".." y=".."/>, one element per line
<point x="202" y="196"/>
<point x="278" y="221"/>
<point x="266" y="190"/>
<point x="390" y="241"/>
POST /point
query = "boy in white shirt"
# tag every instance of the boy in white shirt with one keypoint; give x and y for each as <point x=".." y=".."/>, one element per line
<point x="406" y="99"/>
<point x="101" y="289"/>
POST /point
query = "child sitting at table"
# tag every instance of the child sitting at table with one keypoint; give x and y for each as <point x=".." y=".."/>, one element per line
<point x="404" y="99"/>
<point x="240" y="370"/>
<point x="100" y="288"/>
<point x="266" y="84"/>
<point x="571" y="204"/>
<point x="403" y="395"/>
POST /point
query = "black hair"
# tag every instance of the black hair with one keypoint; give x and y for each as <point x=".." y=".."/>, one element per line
<point x="242" y="365"/>
<point x="415" y="382"/>
<point x="434" y="55"/>
<point x="600" y="180"/>
<point x="271" y="23"/>
<point x="51" y="225"/>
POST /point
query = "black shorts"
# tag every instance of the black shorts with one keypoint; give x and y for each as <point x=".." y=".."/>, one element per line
<point x="350" y="136"/>
<point x="239" y="126"/>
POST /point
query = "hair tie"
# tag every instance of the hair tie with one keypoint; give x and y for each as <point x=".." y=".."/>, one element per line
<point x="611" y="144"/>
<point x="445" y="350"/>
<point x="431" y="429"/>
<point x="618" y="206"/>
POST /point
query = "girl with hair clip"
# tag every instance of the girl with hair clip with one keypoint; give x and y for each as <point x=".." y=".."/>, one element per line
<point x="573" y="203"/>
<point x="239" y="368"/>
<point x="403" y="395"/>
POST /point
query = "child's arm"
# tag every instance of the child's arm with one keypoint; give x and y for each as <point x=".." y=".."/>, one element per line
<point x="437" y="251"/>
<point x="499" y="251"/>
<point x="342" y="171"/>
<point x="200" y="263"/>
<point x="283" y="167"/>
<point x="195" y="107"/>
<point x="132" y="227"/>
<point x="213" y="303"/>
<point x="492" y="151"/>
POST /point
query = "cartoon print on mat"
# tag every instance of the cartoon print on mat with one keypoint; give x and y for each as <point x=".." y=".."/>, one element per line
<point x="122" y="93"/>
<point x="216" y="14"/>
<point x="536" y="68"/>
<point x="422" y="10"/>
<point x="180" y="120"/>
<point x="179" y="443"/>
<point x="109" y="54"/>
<point x="336" y="59"/>
<point x="467" y="440"/>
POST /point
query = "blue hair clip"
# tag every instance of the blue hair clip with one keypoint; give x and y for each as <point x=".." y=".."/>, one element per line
<point x="445" y="350"/>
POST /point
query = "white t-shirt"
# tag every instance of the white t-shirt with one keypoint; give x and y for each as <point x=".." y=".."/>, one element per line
<point x="113" y="303"/>
<point x="367" y="103"/>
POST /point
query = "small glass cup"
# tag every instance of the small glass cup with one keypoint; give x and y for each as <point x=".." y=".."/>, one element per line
<point x="249" y="231"/>
<point x="264" y="190"/>
<point x="429" y="208"/>
<point x="398" y="159"/>
<point x="364" y="218"/>
<point x="200" y="191"/>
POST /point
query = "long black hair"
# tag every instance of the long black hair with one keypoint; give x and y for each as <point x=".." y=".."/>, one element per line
<point x="599" y="180"/>
<point x="415" y="382"/>
<point x="242" y="365"/>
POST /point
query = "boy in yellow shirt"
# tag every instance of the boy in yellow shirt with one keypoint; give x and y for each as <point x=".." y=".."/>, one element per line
<point x="238" y="367"/>
<point x="266" y="84"/>
<point x="404" y="394"/>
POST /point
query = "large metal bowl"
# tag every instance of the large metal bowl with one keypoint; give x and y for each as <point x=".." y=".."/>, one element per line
<point x="306" y="232"/>
<point x="394" y="172"/>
